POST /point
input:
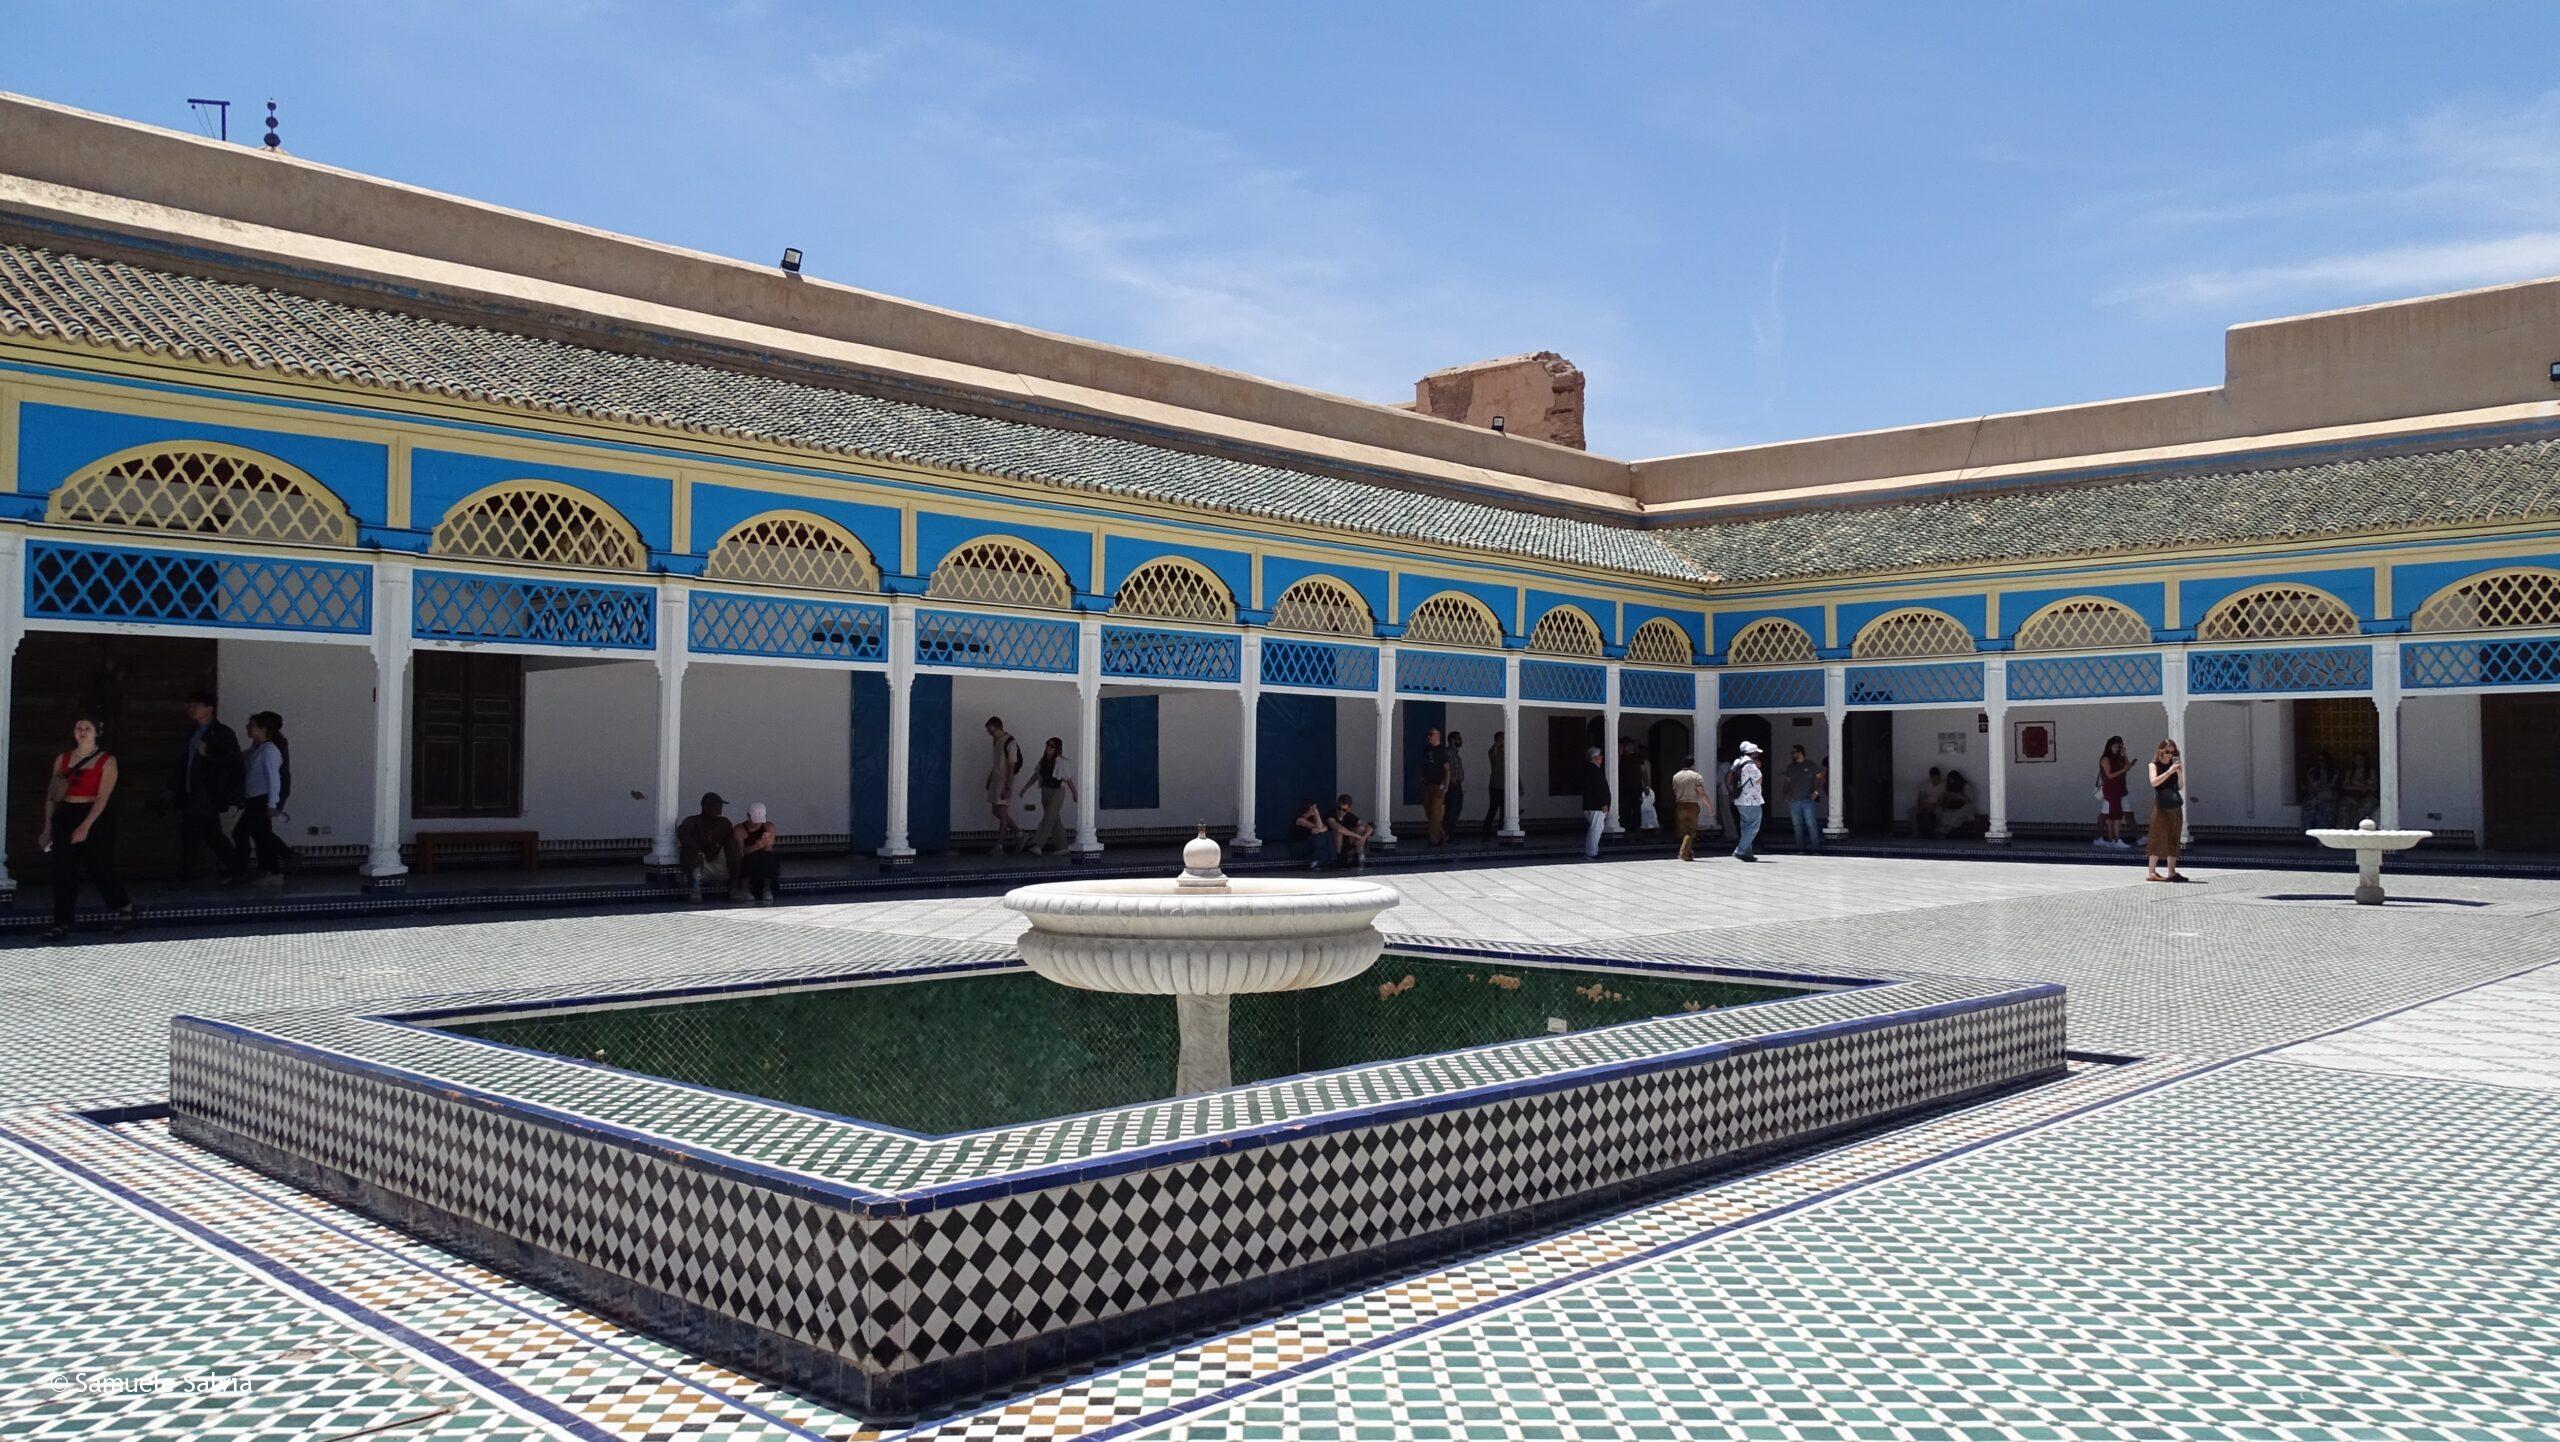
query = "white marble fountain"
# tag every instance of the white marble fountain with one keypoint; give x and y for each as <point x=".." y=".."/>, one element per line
<point x="1202" y="938"/>
<point x="2368" y="842"/>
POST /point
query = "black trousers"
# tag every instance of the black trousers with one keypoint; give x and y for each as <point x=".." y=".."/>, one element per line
<point x="94" y="859"/>
<point x="200" y="824"/>
<point x="253" y="837"/>
<point x="764" y="872"/>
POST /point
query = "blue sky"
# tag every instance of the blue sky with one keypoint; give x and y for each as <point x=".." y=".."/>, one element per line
<point x="1747" y="223"/>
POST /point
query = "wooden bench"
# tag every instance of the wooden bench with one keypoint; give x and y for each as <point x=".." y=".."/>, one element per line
<point x="423" y="846"/>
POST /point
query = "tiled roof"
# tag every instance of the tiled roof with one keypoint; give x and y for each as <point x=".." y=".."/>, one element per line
<point x="2372" y="493"/>
<point x="128" y="307"/>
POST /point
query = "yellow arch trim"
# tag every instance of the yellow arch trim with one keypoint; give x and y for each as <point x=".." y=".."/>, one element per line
<point x="614" y="520"/>
<point x="2109" y="602"/>
<point x="1470" y="604"/>
<point x="1771" y="625"/>
<point x="2204" y="623"/>
<point x="1324" y="581"/>
<point x="1216" y="582"/>
<point x="810" y="519"/>
<point x="1599" y="637"/>
<point x="1040" y="557"/>
<point x="2476" y="578"/>
<point x="1662" y="626"/>
<point x="301" y="480"/>
<point x="1858" y="644"/>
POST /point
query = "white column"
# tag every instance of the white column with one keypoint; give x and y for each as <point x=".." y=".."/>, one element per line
<point x="1088" y="840"/>
<point x="1383" y="814"/>
<point x="673" y="627"/>
<point x="392" y="621"/>
<point x="1609" y="746"/>
<point x="1248" y="743"/>
<point x="1511" y="834"/>
<point x="1835" y="718"/>
<point x="1995" y="704"/>
<point x="13" y="628"/>
<point x="2386" y="703"/>
<point x="902" y="684"/>
<point x="1702" y="742"/>
<point x="2173" y="698"/>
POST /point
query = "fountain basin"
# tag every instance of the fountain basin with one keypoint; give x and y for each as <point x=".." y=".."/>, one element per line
<point x="1252" y="936"/>
<point x="2369" y="842"/>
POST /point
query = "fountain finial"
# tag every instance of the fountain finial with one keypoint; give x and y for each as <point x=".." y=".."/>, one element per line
<point x="1200" y="863"/>
<point x="2367" y="825"/>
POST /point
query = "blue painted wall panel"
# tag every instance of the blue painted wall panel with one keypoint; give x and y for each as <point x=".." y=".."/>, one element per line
<point x="1604" y="612"/>
<point x="2412" y="586"/>
<point x="2151" y="602"/>
<point x="1129" y="743"/>
<point x="1970" y="610"/>
<point x="438" y="480"/>
<point x="1280" y="573"/>
<point x="938" y="535"/>
<point x="1412" y="591"/>
<point x="55" y="441"/>
<point x="1293" y="762"/>
<point x="1123" y="554"/>
<point x="929" y="772"/>
<point x="1730" y="623"/>
<point x="1692" y="622"/>
<point x="2355" y="587"/>
<point x="718" y="510"/>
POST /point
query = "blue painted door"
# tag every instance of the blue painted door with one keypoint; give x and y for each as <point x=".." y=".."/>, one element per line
<point x="1419" y="718"/>
<point x="1128" y="767"/>
<point x="1293" y="761"/>
<point x="929" y="756"/>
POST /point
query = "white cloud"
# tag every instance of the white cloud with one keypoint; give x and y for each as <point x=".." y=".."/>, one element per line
<point x="2390" y="271"/>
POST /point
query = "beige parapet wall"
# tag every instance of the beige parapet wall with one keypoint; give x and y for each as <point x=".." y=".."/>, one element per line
<point x="2372" y="375"/>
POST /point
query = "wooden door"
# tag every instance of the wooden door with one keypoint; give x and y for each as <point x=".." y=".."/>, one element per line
<point x="134" y="686"/>
<point x="2520" y="773"/>
<point x="1867" y="786"/>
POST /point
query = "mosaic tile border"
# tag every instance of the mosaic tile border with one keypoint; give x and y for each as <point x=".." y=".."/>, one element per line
<point x="891" y="1302"/>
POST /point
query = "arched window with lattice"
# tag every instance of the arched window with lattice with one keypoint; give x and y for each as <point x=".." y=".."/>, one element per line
<point x="794" y="548"/>
<point x="1565" y="631"/>
<point x="543" y="522"/>
<point x="2271" y="613"/>
<point x="1770" y="641"/>
<point x="1000" y="571"/>
<point x="1659" y="643"/>
<point x="1452" y="618"/>
<point x="204" y="489"/>
<point x="1324" y="606"/>
<point x="2083" y="623"/>
<point x="2496" y="601"/>
<point x="1173" y="589"/>
<point x="1899" y="635"/>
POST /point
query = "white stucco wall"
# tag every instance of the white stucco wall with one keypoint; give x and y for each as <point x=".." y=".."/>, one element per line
<point x="775" y="734"/>
<point x="590" y="751"/>
<point x="325" y="695"/>
<point x="2440" y="780"/>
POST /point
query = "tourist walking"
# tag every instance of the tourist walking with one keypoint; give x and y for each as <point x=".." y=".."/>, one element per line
<point x="1748" y="799"/>
<point x="1004" y="762"/>
<point x="1056" y="788"/>
<point x="758" y="859"/>
<point x="1435" y="787"/>
<point x="2113" y="766"/>
<point x="1454" y="808"/>
<point x="2168" y="813"/>
<point x="705" y="838"/>
<point x="204" y="784"/>
<point x="1688" y="799"/>
<point x="1497" y="786"/>
<point x="1804" y="782"/>
<point x="1595" y="802"/>
<point x="78" y="829"/>
<point x="261" y="853"/>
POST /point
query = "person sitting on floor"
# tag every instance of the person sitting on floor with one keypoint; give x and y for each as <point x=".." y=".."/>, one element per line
<point x="1928" y="808"/>
<point x="1350" y="833"/>
<point x="706" y="842"/>
<point x="1958" y="815"/>
<point x="1314" y="835"/>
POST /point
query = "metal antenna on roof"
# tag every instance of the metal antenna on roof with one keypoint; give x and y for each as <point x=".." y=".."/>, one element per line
<point x="221" y="115"/>
<point x="274" y="142"/>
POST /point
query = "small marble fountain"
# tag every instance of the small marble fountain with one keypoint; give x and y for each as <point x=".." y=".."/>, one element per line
<point x="2368" y="842"/>
<point x="1202" y="938"/>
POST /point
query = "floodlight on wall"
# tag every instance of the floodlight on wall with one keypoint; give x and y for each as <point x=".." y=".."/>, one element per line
<point x="2555" y="373"/>
<point x="1497" y="420"/>
<point x="791" y="260"/>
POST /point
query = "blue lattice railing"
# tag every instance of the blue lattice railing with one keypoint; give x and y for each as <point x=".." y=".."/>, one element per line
<point x="194" y="588"/>
<point x="1448" y="673"/>
<point x="995" y="643"/>
<point x="1320" y="665"/>
<point x="2066" y="678"/>
<point x="1171" y="655"/>
<point x="2302" y="668"/>
<point x="1772" y="691"/>
<point x="452" y="606"/>
<point x="2526" y="661"/>
<point x="1564" y="683"/>
<point x="1934" y="683"/>
<point x="732" y="625"/>
<point x="1658" y="690"/>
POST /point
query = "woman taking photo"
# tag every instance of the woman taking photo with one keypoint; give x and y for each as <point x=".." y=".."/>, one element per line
<point x="78" y="831"/>
<point x="2168" y="813"/>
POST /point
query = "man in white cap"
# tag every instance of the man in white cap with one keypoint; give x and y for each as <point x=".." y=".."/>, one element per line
<point x="1747" y="799"/>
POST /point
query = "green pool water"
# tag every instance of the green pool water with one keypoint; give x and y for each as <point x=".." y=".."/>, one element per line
<point x="961" y="1053"/>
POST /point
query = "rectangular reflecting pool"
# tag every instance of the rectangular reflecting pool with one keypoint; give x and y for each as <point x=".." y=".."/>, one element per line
<point x="970" y="1052"/>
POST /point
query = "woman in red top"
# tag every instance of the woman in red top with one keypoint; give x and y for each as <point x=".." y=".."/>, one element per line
<point x="79" y="830"/>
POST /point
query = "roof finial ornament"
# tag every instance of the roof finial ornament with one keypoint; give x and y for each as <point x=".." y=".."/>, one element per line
<point x="274" y="141"/>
